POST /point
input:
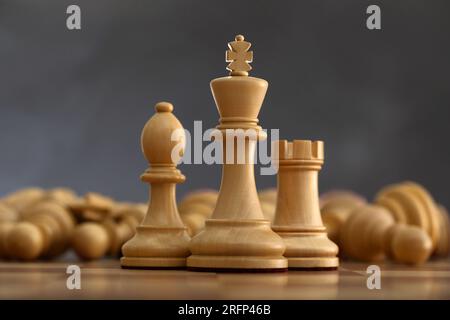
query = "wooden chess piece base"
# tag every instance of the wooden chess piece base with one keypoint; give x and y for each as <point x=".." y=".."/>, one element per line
<point x="250" y="252"/>
<point x="297" y="218"/>
<point x="157" y="247"/>
<point x="308" y="249"/>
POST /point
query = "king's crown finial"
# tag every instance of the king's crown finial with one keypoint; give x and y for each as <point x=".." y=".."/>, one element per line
<point x="239" y="57"/>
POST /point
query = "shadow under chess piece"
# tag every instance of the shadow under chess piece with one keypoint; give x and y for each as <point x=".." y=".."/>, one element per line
<point x="161" y="240"/>
<point x="297" y="217"/>
<point x="237" y="237"/>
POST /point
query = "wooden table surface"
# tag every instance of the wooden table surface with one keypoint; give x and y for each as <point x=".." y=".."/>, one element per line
<point x="106" y="280"/>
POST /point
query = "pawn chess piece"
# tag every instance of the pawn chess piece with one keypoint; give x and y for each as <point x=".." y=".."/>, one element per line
<point x="161" y="241"/>
<point x="371" y="234"/>
<point x="90" y="240"/>
<point x="5" y="228"/>
<point x="7" y="213"/>
<point x="8" y="218"/>
<point x="207" y="196"/>
<point x="93" y="207"/>
<point x="335" y="207"/>
<point x="21" y="199"/>
<point x="340" y="198"/>
<point x="297" y="217"/>
<point x="410" y="203"/>
<point x="44" y="231"/>
<point x="63" y="196"/>
<point x="93" y="240"/>
<point x="237" y="237"/>
<point x="443" y="246"/>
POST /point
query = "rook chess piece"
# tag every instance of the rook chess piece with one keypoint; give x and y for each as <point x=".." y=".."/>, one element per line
<point x="161" y="240"/>
<point x="297" y="216"/>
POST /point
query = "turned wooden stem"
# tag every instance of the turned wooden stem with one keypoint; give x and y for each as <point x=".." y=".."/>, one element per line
<point x="238" y="188"/>
<point x="297" y="210"/>
<point x="163" y="210"/>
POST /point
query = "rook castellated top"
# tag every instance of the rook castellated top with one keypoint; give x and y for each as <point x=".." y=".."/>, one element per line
<point x="303" y="153"/>
<point x="300" y="150"/>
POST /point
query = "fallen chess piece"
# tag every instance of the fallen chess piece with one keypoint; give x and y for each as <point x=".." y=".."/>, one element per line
<point x="8" y="217"/>
<point x="410" y="227"/>
<point x="94" y="240"/>
<point x="5" y="228"/>
<point x="93" y="207"/>
<point x="44" y="231"/>
<point x="63" y="196"/>
<point x="37" y="223"/>
<point x="8" y="214"/>
<point x="23" y="198"/>
<point x="443" y="246"/>
<point x="371" y="234"/>
<point x="336" y="206"/>
<point x="410" y="203"/>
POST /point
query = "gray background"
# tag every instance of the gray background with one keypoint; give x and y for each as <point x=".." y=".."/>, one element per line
<point x="73" y="103"/>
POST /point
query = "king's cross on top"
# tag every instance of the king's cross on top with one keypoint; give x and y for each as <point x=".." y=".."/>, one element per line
<point x="239" y="56"/>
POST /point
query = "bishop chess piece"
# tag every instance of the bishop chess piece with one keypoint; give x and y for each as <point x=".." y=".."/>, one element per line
<point x="161" y="240"/>
<point x="237" y="237"/>
<point x="297" y="217"/>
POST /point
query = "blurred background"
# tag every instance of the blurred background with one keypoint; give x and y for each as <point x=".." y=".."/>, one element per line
<point x="73" y="103"/>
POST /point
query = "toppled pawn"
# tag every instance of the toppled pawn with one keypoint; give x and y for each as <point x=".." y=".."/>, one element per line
<point x="371" y="234"/>
<point x="44" y="231"/>
<point x="410" y="203"/>
<point x="443" y="247"/>
<point x="161" y="240"/>
<point x="93" y="207"/>
<point x="336" y="206"/>
<point x="23" y="198"/>
<point x="8" y="218"/>
<point x="94" y="240"/>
